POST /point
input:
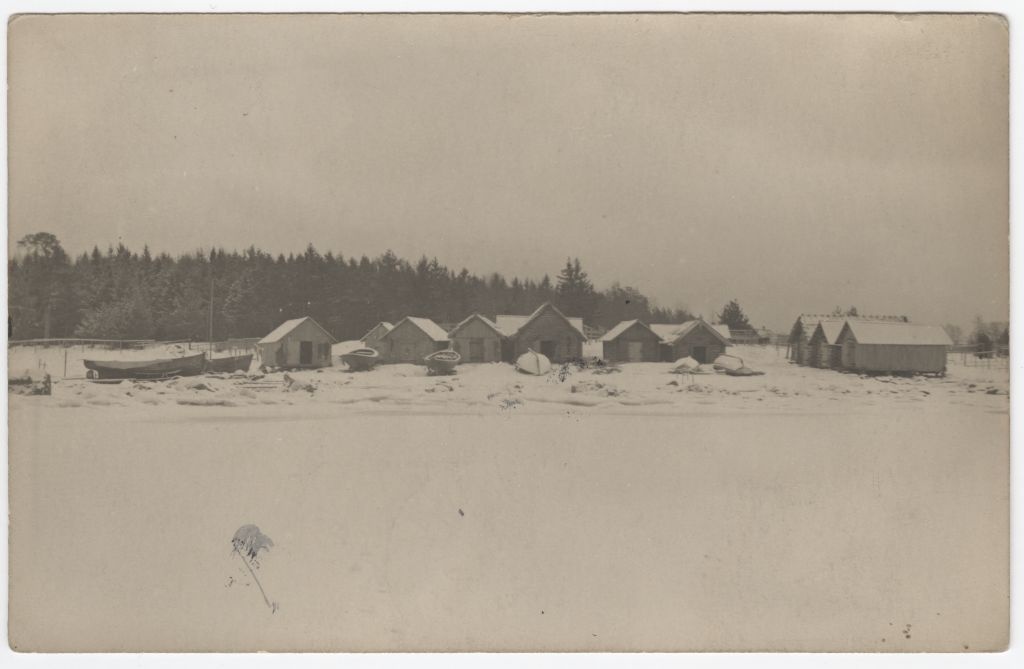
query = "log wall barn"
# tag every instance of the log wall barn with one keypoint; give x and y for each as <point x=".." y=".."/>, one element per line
<point x="800" y="350"/>
<point x="477" y="339"/>
<point x="697" y="339"/>
<point x="893" y="347"/>
<point x="547" y="331"/>
<point x="631" y="341"/>
<point x="411" y="340"/>
<point x="296" y="344"/>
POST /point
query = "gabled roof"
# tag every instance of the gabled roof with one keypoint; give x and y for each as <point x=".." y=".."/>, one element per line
<point x="667" y="331"/>
<point x="486" y="321"/>
<point x="830" y="330"/>
<point x="672" y="332"/>
<point x="722" y="329"/>
<point x="896" y="333"/>
<point x="387" y="328"/>
<point x="283" y="329"/>
<point x="510" y="325"/>
<point x="427" y="326"/>
<point x="612" y="334"/>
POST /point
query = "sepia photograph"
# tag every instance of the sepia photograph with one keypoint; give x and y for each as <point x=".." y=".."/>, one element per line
<point x="610" y="332"/>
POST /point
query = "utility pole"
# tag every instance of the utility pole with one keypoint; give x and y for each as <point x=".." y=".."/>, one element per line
<point x="211" y="314"/>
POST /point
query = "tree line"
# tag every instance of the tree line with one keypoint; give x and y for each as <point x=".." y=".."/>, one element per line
<point x="123" y="294"/>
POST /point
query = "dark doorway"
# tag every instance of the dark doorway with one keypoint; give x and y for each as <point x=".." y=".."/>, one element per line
<point x="476" y="350"/>
<point x="305" y="353"/>
<point x="548" y="348"/>
<point x="700" y="354"/>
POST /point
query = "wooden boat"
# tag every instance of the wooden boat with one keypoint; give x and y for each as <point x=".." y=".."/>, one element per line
<point x="443" y="362"/>
<point x="233" y="363"/>
<point x="725" y="362"/>
<point x="189" y="365"/>
<point x="743" y="371"/>
<point x="361" y="359"/>
<point x="685" y="365"/>
<point x="534" y="363"/>
<point x="734" y="366"/>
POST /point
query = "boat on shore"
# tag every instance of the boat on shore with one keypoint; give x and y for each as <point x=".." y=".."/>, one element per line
<point x="189" y="365"/>
<point x="233" y="363"/>
<point x="534" y="363"/>
<point x="361" y="359"/>
<point x="443" y="362"/>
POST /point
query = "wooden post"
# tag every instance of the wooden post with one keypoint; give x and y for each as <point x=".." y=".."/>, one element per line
<point x="211" y="314"/>
<point x="65" y="362"/>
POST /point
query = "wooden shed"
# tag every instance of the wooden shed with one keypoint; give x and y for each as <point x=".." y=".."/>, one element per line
<point x="631" y="341"/>
<point x="800" y="336"/>
<point x="294" y="344"/>
<point x="823" y="345"/>
<point x="412" y="339"/>
<point x="889" y="346"/>
<point x="372" y="338"/>
<point x="477" y="339"/>
<point x="697" y="339"/>
<point x="547" y="330"/>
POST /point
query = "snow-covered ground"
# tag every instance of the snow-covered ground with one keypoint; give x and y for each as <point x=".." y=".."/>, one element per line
<point x="635" y="509"/>
<point x="630" y="388"/>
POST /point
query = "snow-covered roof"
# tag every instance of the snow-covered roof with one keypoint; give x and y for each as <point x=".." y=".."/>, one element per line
<point x="831" y="329"/>
<point x="384" y="324"/>
<point x="429" y="328"/>
<point x="896" y="333"/>
<point x="283" y="329"/>
<point x="670" y="332"/>
<point x="666" y="331"/>
<point x="622" y="327"/>
<point x="509" y="324"/>
<point x="486" y="321"/>
<point x="722" y="329"/>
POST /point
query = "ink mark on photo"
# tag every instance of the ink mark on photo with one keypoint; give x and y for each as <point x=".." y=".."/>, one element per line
<point x="247" y="544"/>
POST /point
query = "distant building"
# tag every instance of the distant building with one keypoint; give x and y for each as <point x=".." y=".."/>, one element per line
<point x="799" y="342"/>
<point x="411" y="340"/>
<point x="697" y="339"/>
<point x="547" y="331"/>
<point x="799" y="350"/>
<point x="892" y="346"/>
<point x="749" y="336"/>
<point x="631" y="341"/>
<point x="477" y="339"/>
<point x="298" y="343"/>
<point x="372" y="338"/>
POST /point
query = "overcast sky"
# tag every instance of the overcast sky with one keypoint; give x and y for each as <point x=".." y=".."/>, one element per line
<point x="795" y="163"/>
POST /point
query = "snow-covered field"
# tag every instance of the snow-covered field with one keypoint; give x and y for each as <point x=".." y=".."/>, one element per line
<point x="635" y="509"/>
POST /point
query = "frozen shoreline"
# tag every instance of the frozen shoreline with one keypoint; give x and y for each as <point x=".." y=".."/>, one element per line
<point x="634" y="388"/>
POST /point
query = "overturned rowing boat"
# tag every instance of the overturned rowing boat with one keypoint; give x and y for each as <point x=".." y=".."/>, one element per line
<point x="189" y="365"/>
<point x="233" y="363"/>
<point x="443" y="362"/>
<point x="534" y="363"/>
<point x="361" y="359"/>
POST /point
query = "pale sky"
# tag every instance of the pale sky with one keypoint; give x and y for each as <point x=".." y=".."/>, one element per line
<point x="796" y="163"/>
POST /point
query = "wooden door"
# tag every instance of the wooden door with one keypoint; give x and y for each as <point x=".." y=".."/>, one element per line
<point x="476" y="350"/>
<point x="635" y="351"/>
<point x="305" y="353"/>
<point x="700" y="354"/>
<point x="548" y="348"/>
